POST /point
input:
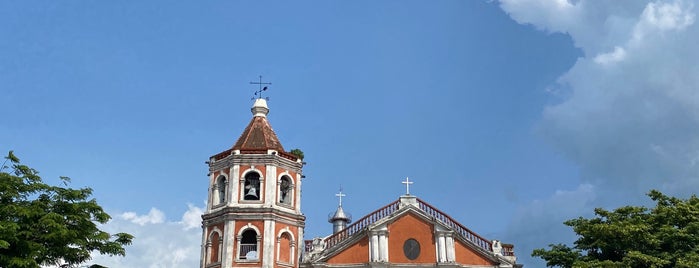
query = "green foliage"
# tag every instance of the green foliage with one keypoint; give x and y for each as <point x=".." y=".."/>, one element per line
<point x="664" y="236"/>
<point x="42" y="224"/>
<point x="297" y="152"/>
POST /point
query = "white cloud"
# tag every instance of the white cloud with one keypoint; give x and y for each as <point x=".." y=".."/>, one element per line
<point x="631" y="114"/>
<point x="192" y="217"/>
<point x="634" y="102"/>
<point x="668" y="16"/>
<point x="659" y="17"/>
<point x="549" y="15"/>
<point x="154" y="216"/>
<point x="158" y="242"/>
<point x="608" y="58"/>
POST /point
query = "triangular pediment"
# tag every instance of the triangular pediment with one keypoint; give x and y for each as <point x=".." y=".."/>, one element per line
<point x="402" y="221"/>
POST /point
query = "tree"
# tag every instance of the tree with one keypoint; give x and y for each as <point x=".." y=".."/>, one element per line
<point x="664" y="236"/>
<point x="42" y="224"/>
<point x="298" y="153"/>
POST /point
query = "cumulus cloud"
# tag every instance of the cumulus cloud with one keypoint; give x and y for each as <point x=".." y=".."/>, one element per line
<point x="633" y="106"/>
<point x="192" y="217"/>
<point x="608" y="58"/>
<point x="630" y="114"/>
<point x="153" y="216"/>
<point x="158" y="242"/>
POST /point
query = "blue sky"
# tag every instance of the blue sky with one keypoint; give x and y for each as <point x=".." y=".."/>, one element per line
<point x="512" y="116"/>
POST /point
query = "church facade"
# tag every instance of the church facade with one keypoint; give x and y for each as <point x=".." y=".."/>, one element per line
<point x="253" y="219"/>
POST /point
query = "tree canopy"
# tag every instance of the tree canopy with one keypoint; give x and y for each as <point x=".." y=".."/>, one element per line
<point x="298" y="153"/>
<point x="42" y="224"/>
<point x="633" y="236"/>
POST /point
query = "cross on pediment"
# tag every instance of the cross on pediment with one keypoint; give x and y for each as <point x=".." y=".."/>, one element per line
<point x="407" y="183"/>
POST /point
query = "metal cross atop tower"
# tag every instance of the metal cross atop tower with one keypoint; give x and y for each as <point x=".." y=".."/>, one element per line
<point x="340" y="195"/>
<point x="407" y="183"/>
<point x="258" y="93"/>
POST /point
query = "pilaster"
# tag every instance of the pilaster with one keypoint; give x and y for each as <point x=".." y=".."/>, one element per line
<point x="233" y="183"/>
<point x="229" y="236"/>
<point x="268" y="243"/>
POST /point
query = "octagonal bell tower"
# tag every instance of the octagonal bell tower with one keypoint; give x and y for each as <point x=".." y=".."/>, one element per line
<point x="253" y="216"/>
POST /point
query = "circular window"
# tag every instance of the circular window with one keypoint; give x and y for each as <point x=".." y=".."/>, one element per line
<point x="411" y="249"/>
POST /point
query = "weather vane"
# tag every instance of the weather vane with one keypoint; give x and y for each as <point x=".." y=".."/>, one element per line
<point x="258" y="93"/>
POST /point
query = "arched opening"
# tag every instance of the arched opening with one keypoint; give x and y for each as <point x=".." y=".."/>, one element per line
<point x="284" y="247"/>
<point x="248" y="245"/>
<point x="285" y="190"/>
<point x="213" y="247"/>
<point x="221" y="189"/>
<point x="252" y="186"/>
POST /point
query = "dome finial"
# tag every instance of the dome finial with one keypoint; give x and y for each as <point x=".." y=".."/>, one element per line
<point x="340" y="218"/>
<point x="260" y="108"/>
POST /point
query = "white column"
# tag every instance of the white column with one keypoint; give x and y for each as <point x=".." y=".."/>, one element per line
<point x="229" y="238"/>
<point x="211" y="201"/>
<point x="374" y="247"/>
<point x="297" y="195"/>
<point x="268" y="242"/>
<point x="451" y="252"/>
<point x="442" y="248"/>
<point x="270" y="186"/>
<point x="277" y="248"/>
<point x="202" y="260"/>
<point x="292" y="258"/>
<point x="300" y="245"/>
<point x="383" y="246"/>
<point x="233" y="182"/>
<point x="215" y="199"/>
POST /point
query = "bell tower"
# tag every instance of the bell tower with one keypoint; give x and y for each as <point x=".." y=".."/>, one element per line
<point x="253" y="216"/>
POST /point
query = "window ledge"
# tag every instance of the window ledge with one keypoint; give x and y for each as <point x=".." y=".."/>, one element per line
<point x="214" y="264"/>
<point x="286" y="205"/>
<point x="285" y="264"/>
<point x="251" y="202"/>
<point x="247" y="261"/>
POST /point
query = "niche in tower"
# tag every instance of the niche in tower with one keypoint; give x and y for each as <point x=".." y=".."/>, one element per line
<point x="252" y="186"/>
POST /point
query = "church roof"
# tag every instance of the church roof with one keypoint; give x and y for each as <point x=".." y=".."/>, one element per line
<point x="258" y="136"/>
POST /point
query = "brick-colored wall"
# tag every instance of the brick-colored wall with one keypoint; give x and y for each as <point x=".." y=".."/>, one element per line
<point x="357" y="253"/>
<point x="465" y="255"/>
<point x="406" y="227"/>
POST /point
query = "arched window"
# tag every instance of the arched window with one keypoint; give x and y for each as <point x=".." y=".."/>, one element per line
<point x="221" y="189"/>
<point x="248" y="245"/>
<point x="285" y="248"/>
<point x="252" y="186"/>
<point x="213" y="247"/>
<point x="285" y="190"/>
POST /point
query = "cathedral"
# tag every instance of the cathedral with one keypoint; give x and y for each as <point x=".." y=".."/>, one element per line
<point x="253" y="219"/>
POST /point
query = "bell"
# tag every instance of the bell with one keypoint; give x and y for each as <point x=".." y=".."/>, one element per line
<point x="252" y="193"/>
